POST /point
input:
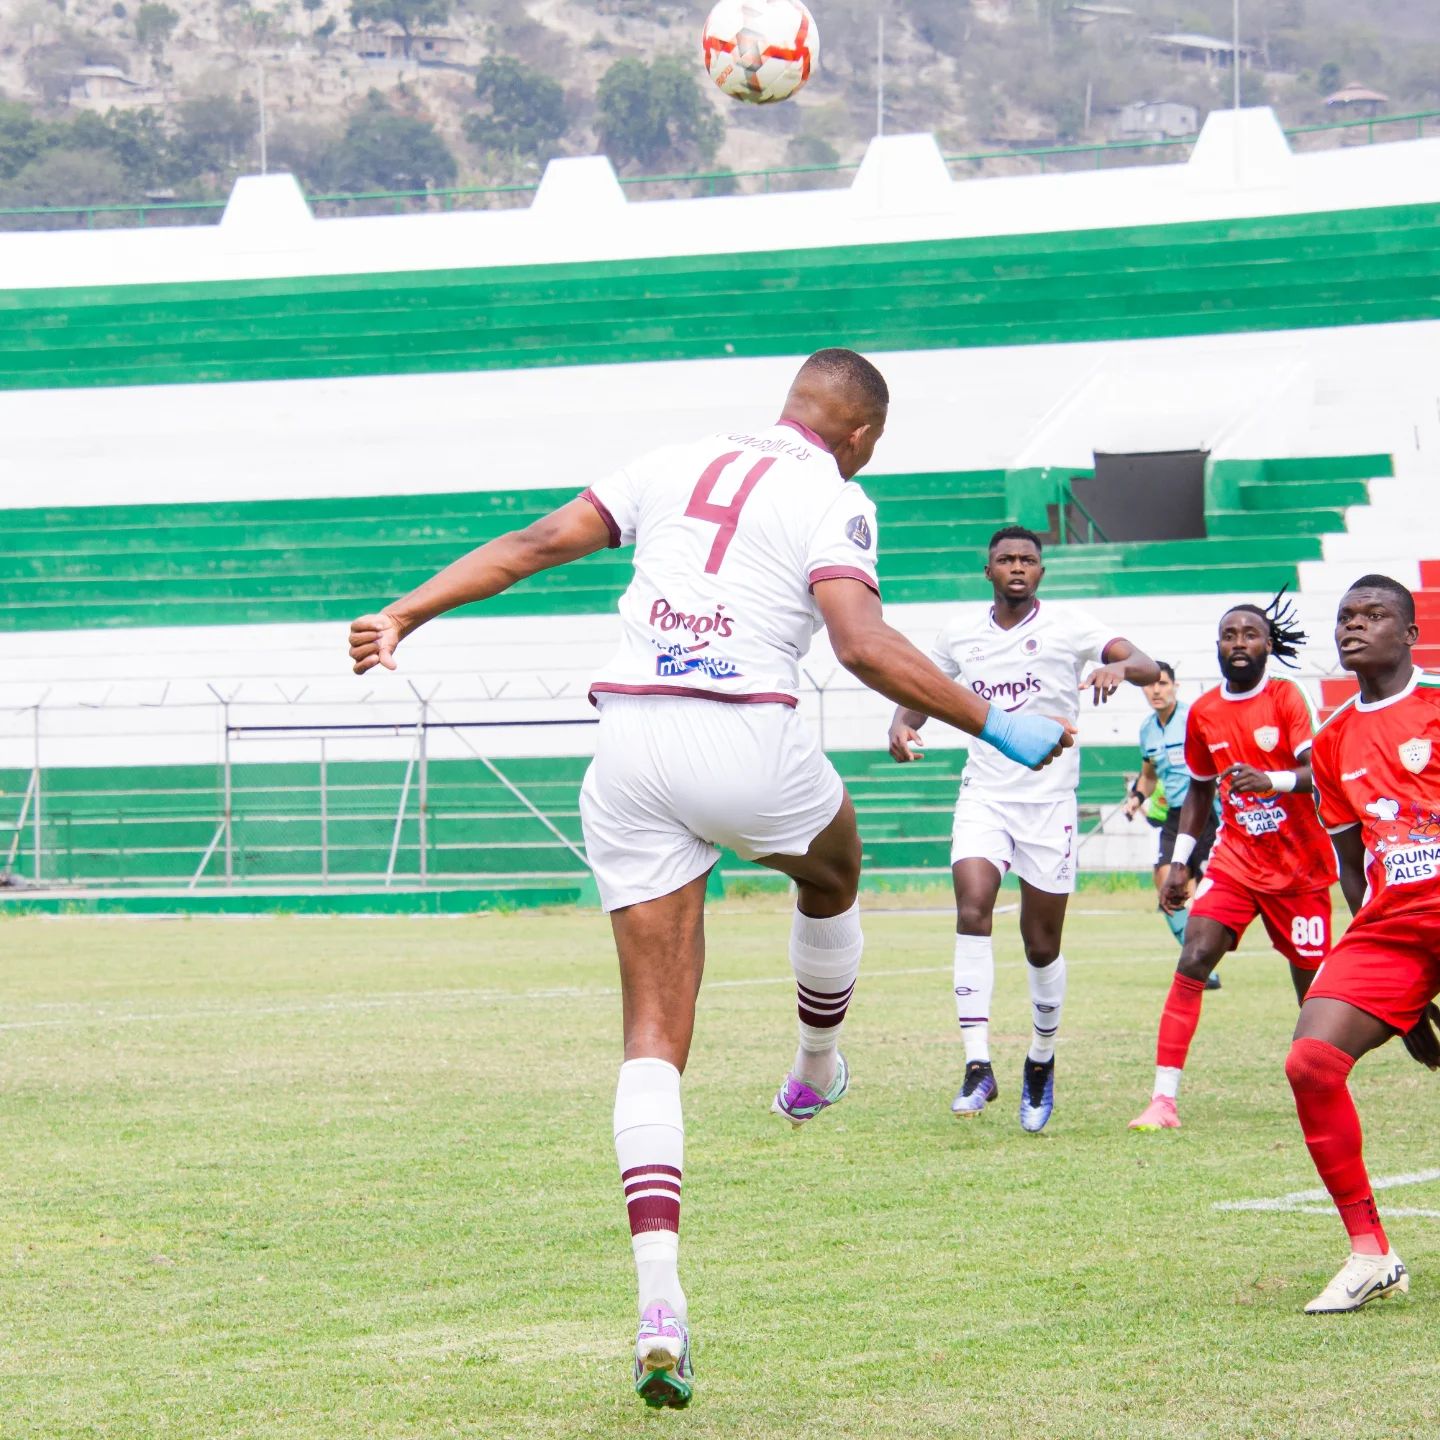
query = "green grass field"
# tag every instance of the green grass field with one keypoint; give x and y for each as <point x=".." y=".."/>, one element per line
<point x="353" y="1179"/>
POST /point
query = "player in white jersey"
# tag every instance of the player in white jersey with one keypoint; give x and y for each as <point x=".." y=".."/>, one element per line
<point x="745" y="544"/>
<point x="1029" y="659"/>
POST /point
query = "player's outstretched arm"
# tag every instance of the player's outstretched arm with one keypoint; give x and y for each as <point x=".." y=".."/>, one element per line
<point x="1121" y="664"/>
<point x="882" y="658"/>
<point x="555" y="539"/>
<point x="1199" y="799"/>
<point x="1350" y="852"/>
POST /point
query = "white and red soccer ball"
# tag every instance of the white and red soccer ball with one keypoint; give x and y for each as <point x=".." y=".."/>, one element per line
<point x="760" y="50"/>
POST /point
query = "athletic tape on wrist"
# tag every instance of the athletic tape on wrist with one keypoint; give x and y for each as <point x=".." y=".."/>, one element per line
<point x="1184" y="849"/>
<point x="1282" y="781"/>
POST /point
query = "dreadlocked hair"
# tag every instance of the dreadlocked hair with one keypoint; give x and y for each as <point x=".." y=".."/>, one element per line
<point x="1422" y="1041"/>
<point x="1286" y="637"/>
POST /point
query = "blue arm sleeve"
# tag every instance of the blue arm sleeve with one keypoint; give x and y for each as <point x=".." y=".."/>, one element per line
<point x="1027" y="739"/>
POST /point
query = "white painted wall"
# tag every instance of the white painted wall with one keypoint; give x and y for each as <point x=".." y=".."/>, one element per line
<point x="1361" y="389"/>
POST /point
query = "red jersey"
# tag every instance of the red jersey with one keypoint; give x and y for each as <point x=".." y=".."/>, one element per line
<point x="1378" y="766"/>
<point x="1267" y="842"/>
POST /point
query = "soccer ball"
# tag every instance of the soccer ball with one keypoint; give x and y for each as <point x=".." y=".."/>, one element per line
<point x="760" y="50"/>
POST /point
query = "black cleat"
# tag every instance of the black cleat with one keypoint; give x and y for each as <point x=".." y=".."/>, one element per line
<point x="977" y="1091"/>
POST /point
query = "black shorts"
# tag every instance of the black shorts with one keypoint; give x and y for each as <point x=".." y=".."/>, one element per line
<point x="1165" y="841"/>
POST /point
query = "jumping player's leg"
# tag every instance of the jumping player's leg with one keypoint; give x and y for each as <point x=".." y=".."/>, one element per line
<point x="1207" y="940"/>
<point x="661" y="945"/>
<point x="1042" y="921"/>
<point x="1330" y="1037"/>
<point x="826" y="944"/>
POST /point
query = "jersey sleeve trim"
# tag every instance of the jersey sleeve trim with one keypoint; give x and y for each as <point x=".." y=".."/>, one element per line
<point x="603" y="510"/>
<point x="1195" y="775"/>
<point x="1106" y="646"/>
<point x="842" y="572"/>
<point x="1303" y="748"/>
<point x="1341" y="829"/>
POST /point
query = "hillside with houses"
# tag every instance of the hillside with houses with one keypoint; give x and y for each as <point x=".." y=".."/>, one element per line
<point x="123" y="101"/>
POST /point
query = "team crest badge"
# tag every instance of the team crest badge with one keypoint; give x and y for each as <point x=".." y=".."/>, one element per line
<point x="1031" y="646"/>
<point x="857" y="531"/>
<point x="1415" y="755"/>
<point x="1267" y="737"/>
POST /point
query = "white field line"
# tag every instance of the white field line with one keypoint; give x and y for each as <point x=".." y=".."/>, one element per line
<point x="1303" y="1201"/>
<point x="402" y="998"/>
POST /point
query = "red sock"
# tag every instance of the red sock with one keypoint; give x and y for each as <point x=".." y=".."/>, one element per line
<point x="1178" y="1021"/>
<point x="1317" y="1072"/>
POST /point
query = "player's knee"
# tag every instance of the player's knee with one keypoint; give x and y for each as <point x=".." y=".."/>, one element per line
<point x="1315" y="1065"/>
<point x="1195" y="964"/>
<point x="1042" y="952"/>
<point x="972" y="917"/>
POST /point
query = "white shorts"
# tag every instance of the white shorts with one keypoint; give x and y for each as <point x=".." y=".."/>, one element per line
<point x="1036" y="840"/>
<point x="675" y="779"/>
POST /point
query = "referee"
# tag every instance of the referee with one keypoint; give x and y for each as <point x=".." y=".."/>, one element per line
<point x="1162" y="744"/>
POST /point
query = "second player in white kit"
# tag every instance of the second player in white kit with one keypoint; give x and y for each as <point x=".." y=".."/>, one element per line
<point x="746" y="542"/>
<point x="1028" y="658"/>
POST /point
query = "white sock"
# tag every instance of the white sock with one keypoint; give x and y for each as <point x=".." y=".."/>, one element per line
<point x="650" y="1146"/>
<point x="974" y="987"/>
<point x="1167" y="1080"/>
<point x="825" y="956"/>
<point x="1047" y="998"/>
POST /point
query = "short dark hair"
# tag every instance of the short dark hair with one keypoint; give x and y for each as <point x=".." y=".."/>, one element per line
<point x="1165" y="668"/>
<point x="853" y="371"/>
<point x="1404" y="600"/>
<point x="1015" y="532"/>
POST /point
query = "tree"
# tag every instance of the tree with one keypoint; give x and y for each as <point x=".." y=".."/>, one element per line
<point x="409" y="15"/>
<point x="154" y="24"/>
<point x="22" y="138"/>
<point x="215" y="132"/>
<point x="65" y="177"/>
<point x="381" y="150"/>
<point x="651" y="113"/>
<point x="526" y="107"/>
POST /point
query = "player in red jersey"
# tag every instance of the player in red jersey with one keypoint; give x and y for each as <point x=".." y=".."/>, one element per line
<point x="1251" y="737"/>
<point x="1377" y="783"/>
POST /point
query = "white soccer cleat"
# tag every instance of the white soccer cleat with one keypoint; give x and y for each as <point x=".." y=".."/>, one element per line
<point x="1362" y="1278"/>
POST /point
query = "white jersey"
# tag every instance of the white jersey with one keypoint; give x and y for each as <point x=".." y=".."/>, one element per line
<point x="730" y="533"/>
<point x="1034" y="668"/>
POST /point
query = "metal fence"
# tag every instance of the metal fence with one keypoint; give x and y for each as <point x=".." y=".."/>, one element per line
<point x="1015" y="160"/>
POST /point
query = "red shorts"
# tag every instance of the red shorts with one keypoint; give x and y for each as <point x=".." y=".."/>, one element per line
<point x="1298" y="924"/>
<point x="1388" y="967"/>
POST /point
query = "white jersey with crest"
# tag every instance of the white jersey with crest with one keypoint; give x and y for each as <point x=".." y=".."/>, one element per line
<point x="730" y="534"/>
<point x="1034" y="668"/>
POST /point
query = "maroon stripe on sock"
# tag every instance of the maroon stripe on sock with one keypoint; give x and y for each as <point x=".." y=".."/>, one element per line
<point x="649" y="1170"/>
<point x="673" y="1186"/>
<point x="820" y="1022"/>
<point x="655" y="1212"/>
<point x="820" y="997"/>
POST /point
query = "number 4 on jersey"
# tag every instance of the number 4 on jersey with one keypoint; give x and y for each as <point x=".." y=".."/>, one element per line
<point x="727" y="517"/>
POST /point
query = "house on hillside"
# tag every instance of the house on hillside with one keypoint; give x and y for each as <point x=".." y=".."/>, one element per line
<point x="1155" y="120"/>
<point x="386" y="43"/>
<point x="1084" y="13"/>
<point x="1206" y="50"/>
<point x="1356" y="100"/>
<point x="104" y="84"/>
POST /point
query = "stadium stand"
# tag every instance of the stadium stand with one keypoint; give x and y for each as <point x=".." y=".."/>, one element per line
<point x="290" y="560"/>
<point x="229" y="442"/>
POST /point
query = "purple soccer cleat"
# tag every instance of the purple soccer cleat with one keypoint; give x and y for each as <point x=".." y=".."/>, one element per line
<point x="799" y="1102"/>
<point x="664" y="1379"/>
